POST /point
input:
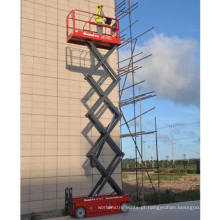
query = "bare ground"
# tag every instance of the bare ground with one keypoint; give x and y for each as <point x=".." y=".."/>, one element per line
<point x="186" y="182"/>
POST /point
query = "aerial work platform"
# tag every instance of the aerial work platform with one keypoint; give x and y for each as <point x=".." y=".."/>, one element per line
<point x="81" y="29"/>
<point x="81" y="26"/>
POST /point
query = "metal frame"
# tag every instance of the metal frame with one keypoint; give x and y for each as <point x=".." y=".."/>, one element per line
<point x="80" y="30"/>
<point x="95" y="151"/>
<point x="123" y="9"/>
<point x="68" y="201"/>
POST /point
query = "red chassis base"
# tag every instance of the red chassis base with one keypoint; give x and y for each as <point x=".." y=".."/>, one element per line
<point x="100" y="205"/>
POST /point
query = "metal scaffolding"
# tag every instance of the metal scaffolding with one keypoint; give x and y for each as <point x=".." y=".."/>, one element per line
<point x="127" y="68"/>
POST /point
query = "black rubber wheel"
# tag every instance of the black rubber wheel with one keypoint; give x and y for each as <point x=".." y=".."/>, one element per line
<point x="124" y="207"/>
<point x="80" y="212"/>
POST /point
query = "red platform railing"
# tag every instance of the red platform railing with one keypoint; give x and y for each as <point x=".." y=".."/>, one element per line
<point x="81" y="25"/>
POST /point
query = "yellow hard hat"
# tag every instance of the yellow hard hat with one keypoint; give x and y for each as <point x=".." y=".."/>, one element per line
<point x="100" y="5"/>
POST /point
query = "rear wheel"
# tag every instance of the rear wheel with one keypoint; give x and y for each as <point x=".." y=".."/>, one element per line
<point x="124" y="207"/>
<point x="80" y="212"/>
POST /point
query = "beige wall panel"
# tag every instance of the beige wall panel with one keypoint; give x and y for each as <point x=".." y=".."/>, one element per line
<point x="51" y="13"/>
<point x="69" y="107"/>
<point x="27" y="9"/>
<point x="68" y="145"/>
<point x="27" y="64"/>
<point x="25" y="167"/>
<point x="40" y="12"/>
<point x="39" y="48"/>
<point x="25" y="207"/>
<point x="26" y="145"/>
<point x="51" y="3"/>
<point x="39" y="65"/>
<point x="50" y="165"/>
<point x="49" y="204"/>
<point x="68" y="88"/>
<point x="36" y="205"/>
<point x="62" y="49"/>
<point x="51" y="50"/>
<point x="51" y="145"/>
<point x="50" y="105"/>
<point x="67" y="126"/>
<point x="59" y="203"/>
<point x="37" y="168"/>
<point x="27" y="27"/>
<point x="51" y="32"/>
<point x="49" y="184"/>
<point x="26" y="104"/>
<point x="27" y="46"/>
<point x="51" y="68"/>
<point x="64" y="73"/>
<point x="26" y="124"/>
<point x="50" y="125"/>
<point x="55" y="134"/>
<point x="40" y="30"/>
<point x="62" y="34"/>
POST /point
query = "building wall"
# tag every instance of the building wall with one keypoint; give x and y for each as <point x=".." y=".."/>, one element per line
<point x="55" y="134"/>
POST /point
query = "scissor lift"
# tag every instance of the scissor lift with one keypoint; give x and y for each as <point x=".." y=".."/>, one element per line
<point x="81" y="29"/>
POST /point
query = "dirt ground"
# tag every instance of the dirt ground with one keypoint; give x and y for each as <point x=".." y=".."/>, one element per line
<point x="186" y="182"/>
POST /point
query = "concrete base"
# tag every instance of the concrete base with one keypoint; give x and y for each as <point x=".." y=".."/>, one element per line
<point x="173" y="211"/>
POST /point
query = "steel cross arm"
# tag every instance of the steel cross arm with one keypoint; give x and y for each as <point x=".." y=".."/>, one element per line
<point x="120" y="4"/>
<point x="114" y="163"/>
<point x="138" y="116"/>
<point x="103" y="96"/>
<point x="128" y="66"/>
<point x="136" y="134"/>
<point x="101" y="140"/>
<point x="102" y="59"/>
<point x="136" y="100"/>
<point x="132" y="85"/>
<point x="138" y="96"/>
<point x="106" y="137"/>
<point x="135" y="144"/>
<point x="105" y="57"/>
<point x="130" y="57"/>
<point x="105" y="178"/>
<point x="100" y="81"/>
<point x="125" y="73"/>
<point x="128" y="26"/>
<point x="102" y="181"/>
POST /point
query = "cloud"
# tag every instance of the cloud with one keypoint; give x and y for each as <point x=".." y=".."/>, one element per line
<point x="172" y="71"/>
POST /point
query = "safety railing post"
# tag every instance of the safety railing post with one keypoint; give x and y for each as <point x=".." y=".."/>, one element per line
<point x="67" y="26"/>
<point x="73" y="18"/>
<point x="118" y="29"/>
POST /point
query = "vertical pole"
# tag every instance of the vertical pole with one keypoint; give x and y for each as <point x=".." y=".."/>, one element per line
<point x="74" y="25"/>
<point x="152" y="158"/>
<point x="158" y="169"/>
<point x="167" y="157"/>
<point x="172" y="144"/>
<point x="142" y="162"/>
<point x="173" y="162"/>
<point x="67" y="26"/>
<point x="119" y="87"/>
<point x="133" y="89"/>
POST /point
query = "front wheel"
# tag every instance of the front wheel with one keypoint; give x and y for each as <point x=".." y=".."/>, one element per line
<point x="80" y="212"/>
<point x="124" y="207"/>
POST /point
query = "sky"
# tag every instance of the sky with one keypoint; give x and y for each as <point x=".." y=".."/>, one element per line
<point x="173" y="72"/>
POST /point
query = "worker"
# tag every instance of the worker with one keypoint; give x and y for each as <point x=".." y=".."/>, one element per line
<point x="99" y="19"/>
